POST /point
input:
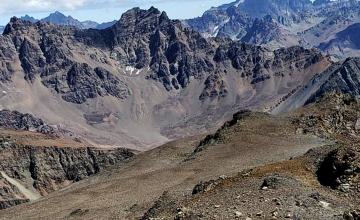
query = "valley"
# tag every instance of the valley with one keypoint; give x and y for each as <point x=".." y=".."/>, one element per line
<point x="250" y="111"/>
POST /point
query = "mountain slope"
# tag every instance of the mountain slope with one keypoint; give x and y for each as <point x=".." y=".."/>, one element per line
<point x="269" y="33"/>
<point x="342" y="77"/>
<point x="251" y="167"/>
<point x="143" y="81"/>
<point x="344" y="42"/>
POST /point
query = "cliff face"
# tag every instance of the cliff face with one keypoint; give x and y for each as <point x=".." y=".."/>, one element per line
<point x="46" y="169"/>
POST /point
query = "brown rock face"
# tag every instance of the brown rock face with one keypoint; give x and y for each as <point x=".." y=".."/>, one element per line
<point x="30" y="171"/>
<point x="50" y="168"/>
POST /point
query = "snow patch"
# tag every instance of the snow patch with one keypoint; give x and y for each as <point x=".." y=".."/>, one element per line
<point x="238" y="3"/>
<point x="130" y="70"/>
<point x="217" y="28"/>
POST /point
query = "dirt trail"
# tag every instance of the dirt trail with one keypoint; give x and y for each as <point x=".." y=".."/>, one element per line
<point x="26" y="192"/>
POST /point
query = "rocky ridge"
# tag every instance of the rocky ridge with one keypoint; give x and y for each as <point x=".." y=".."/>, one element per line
<point x="166" y="47"/>
<point x="341" y="77"/>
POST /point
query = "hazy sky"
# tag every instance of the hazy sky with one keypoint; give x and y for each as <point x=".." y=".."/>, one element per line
<point x="102" y="10"/>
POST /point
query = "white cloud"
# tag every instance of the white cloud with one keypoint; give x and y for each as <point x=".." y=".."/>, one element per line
<point x="16" y="6"/>
<point x="31" y="6"/>
<point x="101" y="10"/>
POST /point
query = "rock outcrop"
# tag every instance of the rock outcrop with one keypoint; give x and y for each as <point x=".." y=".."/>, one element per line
<point x="19" y="121"/>
<point x="341" y="169"/>
<point x="341" y="77"/>
<point x="51" y="168"/>
<point x="84" y="83"/>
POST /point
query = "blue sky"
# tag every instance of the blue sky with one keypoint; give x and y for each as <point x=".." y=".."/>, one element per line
<point x="102" y="10"/>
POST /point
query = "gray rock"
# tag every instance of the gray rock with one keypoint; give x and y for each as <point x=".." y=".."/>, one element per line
<point x="19" y="121"/>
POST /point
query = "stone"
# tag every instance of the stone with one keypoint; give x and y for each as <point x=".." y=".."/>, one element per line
<point x="345" y="187"/>
<point x="275" y="213"/>
<point x="223" y="177"/>
<point x="238" y="214"/>
<point x="272" y="182"/>
<point x="288" y="215"/>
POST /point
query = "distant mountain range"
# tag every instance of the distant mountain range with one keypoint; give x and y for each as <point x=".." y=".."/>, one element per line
<point x="61" y="19"/>
<point x="270" y="23"/>
<point x="325" y="24"/>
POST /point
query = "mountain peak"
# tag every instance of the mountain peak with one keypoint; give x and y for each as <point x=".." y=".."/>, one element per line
<point x="57" y="13"/>
<point x="57" y="16"/>
<point x="146" y="20"/>
<point x="28" y="18"/>
<point x="14" y="24"/>
<point x="142" y="13"/>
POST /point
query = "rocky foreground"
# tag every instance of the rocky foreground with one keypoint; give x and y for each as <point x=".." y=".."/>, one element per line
<point x="324" y="183"/>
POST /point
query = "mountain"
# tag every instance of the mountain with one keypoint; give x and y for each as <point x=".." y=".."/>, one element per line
<point x="267" y="32"/>
<point x="235" y="18"/>
<point x="2" y="28"/>
<point x="29" y="18"/>
<point x="283" y="23"/>
<point x="141" y="81"/>
<point x="61" y="19"/>
<point x="151" y="119"/>
<point x="226" y="21"/>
